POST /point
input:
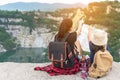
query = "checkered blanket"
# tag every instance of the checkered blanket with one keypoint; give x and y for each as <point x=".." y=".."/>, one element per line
<point x="78" y="66"/>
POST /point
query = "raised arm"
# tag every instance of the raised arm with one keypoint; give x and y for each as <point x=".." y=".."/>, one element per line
<point x="89" y="33"/>
<point x="77" y="21"/>
<point x="81" y="22"/>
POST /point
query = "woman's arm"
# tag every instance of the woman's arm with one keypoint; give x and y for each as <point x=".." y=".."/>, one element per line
<point x="79" y="49"/>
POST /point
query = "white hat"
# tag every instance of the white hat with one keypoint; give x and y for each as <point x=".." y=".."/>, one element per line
<point x="99" y="37"/>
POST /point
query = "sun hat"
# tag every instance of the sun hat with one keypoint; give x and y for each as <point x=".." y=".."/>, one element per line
<point x="99" y="37"/>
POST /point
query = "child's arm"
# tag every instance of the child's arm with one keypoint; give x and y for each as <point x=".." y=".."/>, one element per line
<point x="89" y="33"/>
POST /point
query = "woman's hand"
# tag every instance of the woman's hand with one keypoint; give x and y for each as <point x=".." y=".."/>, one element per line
<point x="80" y="14"/>
<point x="80" y="23"/>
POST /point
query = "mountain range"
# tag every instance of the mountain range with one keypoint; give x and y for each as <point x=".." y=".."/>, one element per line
<point x="22" y="6"/>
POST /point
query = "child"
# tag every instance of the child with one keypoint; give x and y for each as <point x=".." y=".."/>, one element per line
<point x="97" y="41"/>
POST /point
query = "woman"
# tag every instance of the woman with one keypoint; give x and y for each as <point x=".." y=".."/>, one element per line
<point x="65" y="28"/>
<point x="97" y="41"/>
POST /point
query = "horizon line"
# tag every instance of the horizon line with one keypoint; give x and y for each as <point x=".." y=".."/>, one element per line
<point x="43" y="3"/>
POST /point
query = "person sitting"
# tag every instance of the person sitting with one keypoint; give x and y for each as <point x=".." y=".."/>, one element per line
<point x="97" y="40"/>
<point x="66" y="27"/>
<point x="100" y="57"/>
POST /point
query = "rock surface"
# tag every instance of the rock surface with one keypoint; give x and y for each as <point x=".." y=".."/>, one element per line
<point x="2" y="49"/>
<point x="25" y="71"/>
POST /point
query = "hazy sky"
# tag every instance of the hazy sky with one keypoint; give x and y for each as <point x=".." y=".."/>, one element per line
<point x="46" y="1"/>
<point x="2" y="2"/>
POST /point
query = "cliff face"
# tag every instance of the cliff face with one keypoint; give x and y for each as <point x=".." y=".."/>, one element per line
<point x="25" y="71"/>
<point x="39" y="37"/>
<point x="2" y="49"/>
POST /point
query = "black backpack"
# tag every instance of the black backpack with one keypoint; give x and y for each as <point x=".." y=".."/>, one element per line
<point x="60" y="53"/>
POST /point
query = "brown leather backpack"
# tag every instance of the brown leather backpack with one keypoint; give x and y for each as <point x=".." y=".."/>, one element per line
<point x="59" y="52"/>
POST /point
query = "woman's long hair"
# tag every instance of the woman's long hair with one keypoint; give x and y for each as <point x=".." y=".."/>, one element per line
<point x="64" y="28"/>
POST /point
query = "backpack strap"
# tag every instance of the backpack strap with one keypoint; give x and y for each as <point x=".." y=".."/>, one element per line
<point x="65" y="37"/>
<point x="67" y="34"/>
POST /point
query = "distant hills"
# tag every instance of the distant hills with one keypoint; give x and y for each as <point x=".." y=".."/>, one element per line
<point x="22" y="6"/>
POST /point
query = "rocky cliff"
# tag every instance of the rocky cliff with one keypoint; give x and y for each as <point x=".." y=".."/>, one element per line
<point x="25" y="71"/>
<point x="30" y="29"/>
<point x="2" y="48"/>
<point x="39" y="37"/>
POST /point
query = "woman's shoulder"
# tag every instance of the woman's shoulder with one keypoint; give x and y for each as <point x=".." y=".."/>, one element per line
<point x="73" y="34"/>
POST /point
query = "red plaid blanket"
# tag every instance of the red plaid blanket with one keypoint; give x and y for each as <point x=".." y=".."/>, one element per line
<point x="60" y="71"/>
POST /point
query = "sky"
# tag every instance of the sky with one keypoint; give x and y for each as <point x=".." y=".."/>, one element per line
<point x="2" y="2"/>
